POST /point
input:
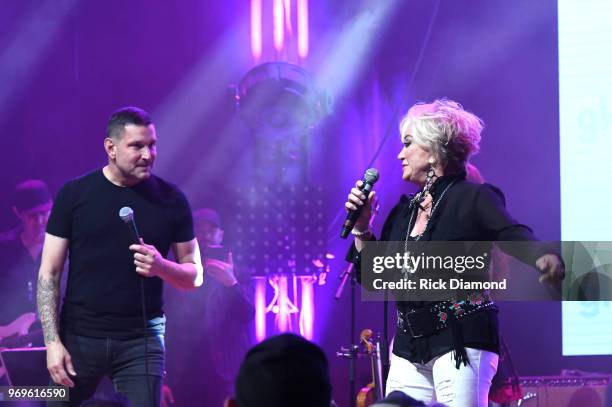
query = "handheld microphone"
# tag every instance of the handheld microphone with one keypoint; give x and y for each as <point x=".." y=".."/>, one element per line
<point x="127" y="215"/>
<point x="369" y="179"/>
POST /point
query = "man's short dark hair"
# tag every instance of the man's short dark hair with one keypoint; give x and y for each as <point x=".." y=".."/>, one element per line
<point x="124" y="116"/>
<point x="284" y="370"/>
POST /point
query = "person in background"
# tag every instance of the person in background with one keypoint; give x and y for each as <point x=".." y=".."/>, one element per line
<point x="20" y="254"/>
<point x="212" y="329"/>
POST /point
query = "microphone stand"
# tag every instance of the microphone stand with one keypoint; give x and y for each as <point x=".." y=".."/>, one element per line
<point x="385" y="344"/>
<point x="353" y="352"/>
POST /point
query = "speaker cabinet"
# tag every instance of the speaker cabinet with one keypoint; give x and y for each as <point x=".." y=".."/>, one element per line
<point x="562" y="391"/>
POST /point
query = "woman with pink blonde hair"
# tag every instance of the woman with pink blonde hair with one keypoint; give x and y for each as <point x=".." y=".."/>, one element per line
<point x="445" y="351"/>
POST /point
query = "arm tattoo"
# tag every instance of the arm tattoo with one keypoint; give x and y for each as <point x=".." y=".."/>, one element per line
<point x="47" y="297"/>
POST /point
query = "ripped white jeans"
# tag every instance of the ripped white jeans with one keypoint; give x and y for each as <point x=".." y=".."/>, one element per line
<point x="440" y="381"/>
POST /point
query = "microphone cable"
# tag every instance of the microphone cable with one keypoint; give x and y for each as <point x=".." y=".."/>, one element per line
<point x="146" y="342"/>
<point x="127" y="216"/>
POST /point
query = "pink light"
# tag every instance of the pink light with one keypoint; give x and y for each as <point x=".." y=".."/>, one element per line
<point x="307" y="312"/>
<point x="256" y="41"/>
<point x="283" y="322"/>
<point x="260" y="309"/>
<point x="287" y="10"/>
<point x="279" y="26"/>
<point x="302" y="28"/>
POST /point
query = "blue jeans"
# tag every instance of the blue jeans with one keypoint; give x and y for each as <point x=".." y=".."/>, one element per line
<point x="123" y="361"/>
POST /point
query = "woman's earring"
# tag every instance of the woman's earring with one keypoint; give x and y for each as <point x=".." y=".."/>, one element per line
<point x="431" y="174"/>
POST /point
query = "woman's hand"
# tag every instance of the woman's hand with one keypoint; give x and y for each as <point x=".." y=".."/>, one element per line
<point x="358" y="199"/>
<point x="552" y="268"/>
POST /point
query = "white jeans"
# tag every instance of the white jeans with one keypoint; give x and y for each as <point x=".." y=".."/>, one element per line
<point x="440" y="381"/>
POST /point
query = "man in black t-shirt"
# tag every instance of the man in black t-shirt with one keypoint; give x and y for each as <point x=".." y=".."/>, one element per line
<point x="112" y="321"/>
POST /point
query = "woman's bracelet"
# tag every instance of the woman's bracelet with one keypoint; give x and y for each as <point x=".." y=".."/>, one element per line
<point x="361" y="234"/>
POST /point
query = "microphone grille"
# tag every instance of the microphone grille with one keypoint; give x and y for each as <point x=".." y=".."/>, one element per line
<point x="126" y="214"/>
<point x="371" y="175"/>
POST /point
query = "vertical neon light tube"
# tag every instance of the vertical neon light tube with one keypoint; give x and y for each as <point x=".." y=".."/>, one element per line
<point x="307" y="308"/>
<point x="256" y="41"/>
<point x="260" y="308"/>
<point x="279" y="25"/>
<point x="302" y="28"/>
<point x="287" y="12"/>
<point x="283" y="305"/>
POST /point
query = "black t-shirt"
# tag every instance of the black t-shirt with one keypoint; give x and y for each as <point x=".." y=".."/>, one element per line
<point x="103" y="294"/>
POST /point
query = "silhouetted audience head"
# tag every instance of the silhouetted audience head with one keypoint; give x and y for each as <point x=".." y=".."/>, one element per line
<point x="285" y="370"/>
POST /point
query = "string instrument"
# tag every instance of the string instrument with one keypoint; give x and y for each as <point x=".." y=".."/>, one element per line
<point x="16" y="334"/>
<point x="374" y="390"/>
<point x="20" y="327"/>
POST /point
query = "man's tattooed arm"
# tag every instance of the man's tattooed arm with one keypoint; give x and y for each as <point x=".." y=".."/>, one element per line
<point x="47" y="297"/>
<point x="54" y="254"/>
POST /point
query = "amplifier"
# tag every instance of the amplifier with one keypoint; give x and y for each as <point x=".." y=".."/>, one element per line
<point x="564" y="391"/>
